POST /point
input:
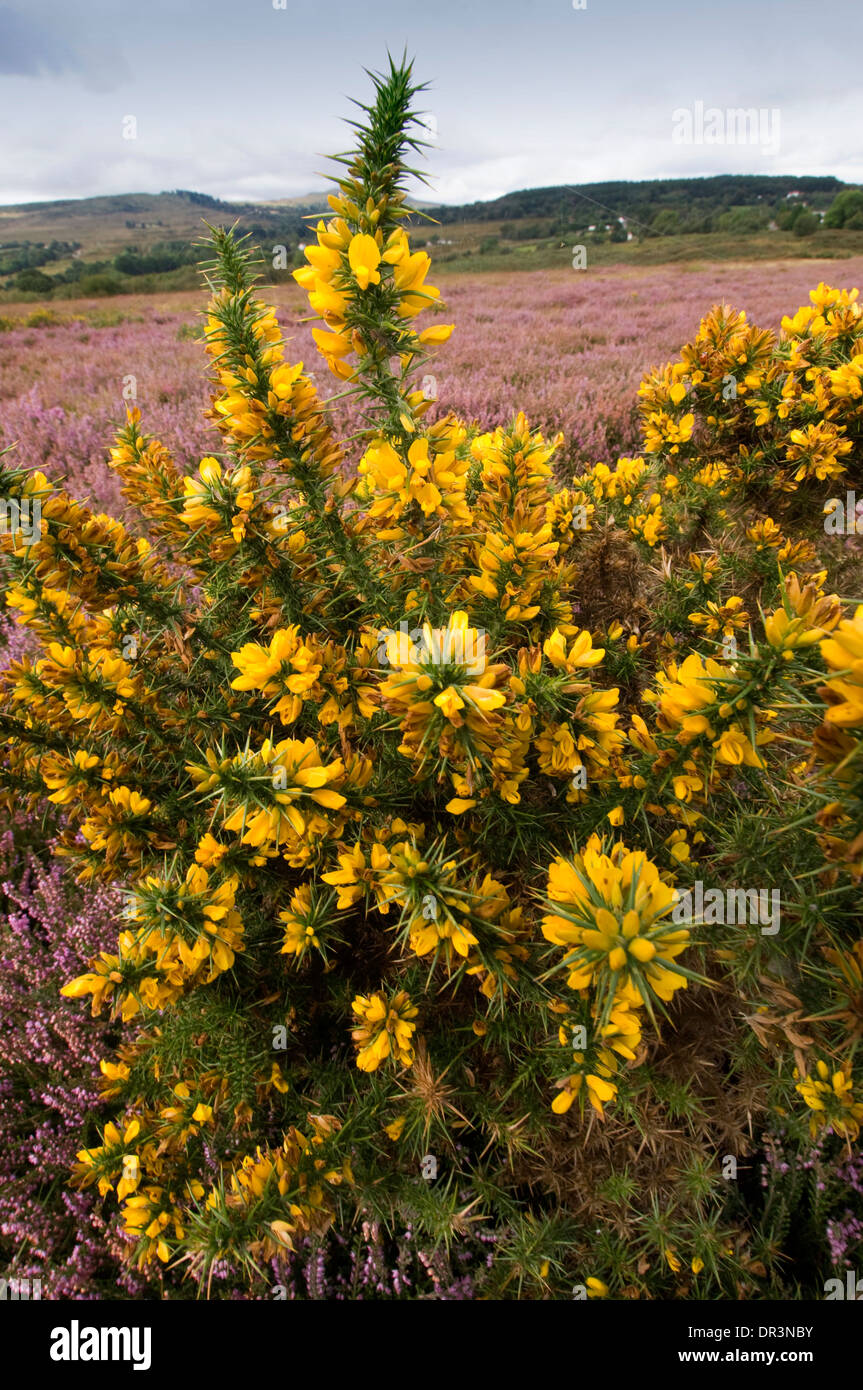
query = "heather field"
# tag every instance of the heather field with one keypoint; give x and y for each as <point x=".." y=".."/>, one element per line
<point x="569" y="348"/>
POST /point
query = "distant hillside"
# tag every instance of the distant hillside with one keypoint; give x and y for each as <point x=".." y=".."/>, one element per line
<point x="695" y="201"/>
<point x="105" y="225"/>
<point x="142" y="241"/>
<point x="146" y="242"/>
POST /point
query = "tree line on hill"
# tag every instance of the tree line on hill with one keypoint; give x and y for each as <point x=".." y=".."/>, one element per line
<point x="618" y="212"/>
<point x="695" y="200"/>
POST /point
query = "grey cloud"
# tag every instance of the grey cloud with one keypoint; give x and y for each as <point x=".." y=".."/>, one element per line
<point x="30" y="50"/>
<point x="41" y="50"/>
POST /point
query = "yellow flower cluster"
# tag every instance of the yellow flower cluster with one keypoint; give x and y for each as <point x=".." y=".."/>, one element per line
<point x="430" y="476"/>
<point x="345" y="263"/>
<point x="266" y="407"/>
<point x="778" y="409"/>
<point x="385" y="1029"/>
<point x="299" y="669"/>
<point x="182" y="935"/>
<point x="830" y="1097"/>
<point x="839" y="741"/>
<point x="611" y="913"/>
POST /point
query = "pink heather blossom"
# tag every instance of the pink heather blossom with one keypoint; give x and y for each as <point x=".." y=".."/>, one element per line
<point x="568" y="347"/>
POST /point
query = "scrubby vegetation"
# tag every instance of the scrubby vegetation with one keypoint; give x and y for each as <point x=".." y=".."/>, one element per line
<point x="490" y="840"/>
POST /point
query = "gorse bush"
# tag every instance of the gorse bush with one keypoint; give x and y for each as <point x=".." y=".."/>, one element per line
<point x="488" y="846"/>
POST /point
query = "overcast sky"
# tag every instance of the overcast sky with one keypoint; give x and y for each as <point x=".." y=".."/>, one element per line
<point x="239" y="99"/>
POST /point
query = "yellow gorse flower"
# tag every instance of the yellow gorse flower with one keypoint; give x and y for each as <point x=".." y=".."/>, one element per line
<point x="830" y="1096"/>
<point x="385" y="1029"/>
<point x="364" y="257"/>
<point x="612" y="915"/>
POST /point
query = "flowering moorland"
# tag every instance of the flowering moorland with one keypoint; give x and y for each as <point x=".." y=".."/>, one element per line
<point x="410" y="774"/>
<point x="525" y="341"/>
